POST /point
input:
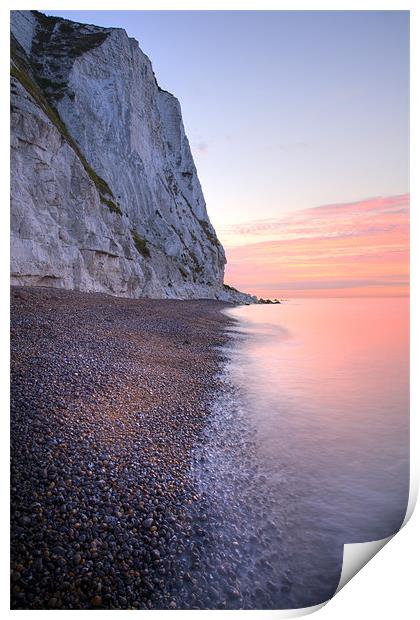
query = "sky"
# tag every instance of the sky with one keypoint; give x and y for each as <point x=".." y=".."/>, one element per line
<point x="289" y="111"/>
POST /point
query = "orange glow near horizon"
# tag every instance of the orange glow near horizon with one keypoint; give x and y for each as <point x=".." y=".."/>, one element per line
<point x="344" y="250"/>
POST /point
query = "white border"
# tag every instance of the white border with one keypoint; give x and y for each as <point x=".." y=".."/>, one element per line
<point x="386" y="587"/>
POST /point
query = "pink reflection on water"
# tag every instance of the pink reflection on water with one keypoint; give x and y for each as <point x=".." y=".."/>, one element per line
<point x="326" y="385"/>
<point x="333" y="352"/>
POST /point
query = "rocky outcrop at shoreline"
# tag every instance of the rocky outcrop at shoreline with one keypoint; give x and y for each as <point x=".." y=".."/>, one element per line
<point x="108" y="398"/>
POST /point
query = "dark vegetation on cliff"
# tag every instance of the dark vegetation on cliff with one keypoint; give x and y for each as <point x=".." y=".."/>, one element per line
<point x="23" y="70"/>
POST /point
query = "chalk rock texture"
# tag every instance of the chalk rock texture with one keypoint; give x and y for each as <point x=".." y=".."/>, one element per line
<point x="105" y="195"/>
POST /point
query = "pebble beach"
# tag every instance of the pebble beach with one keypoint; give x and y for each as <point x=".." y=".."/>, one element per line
<point x="108" y="399"/>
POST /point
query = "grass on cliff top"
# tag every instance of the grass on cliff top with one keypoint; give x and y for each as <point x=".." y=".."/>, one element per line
<point x="69" y="39"/>
<point x="36" y="93"/>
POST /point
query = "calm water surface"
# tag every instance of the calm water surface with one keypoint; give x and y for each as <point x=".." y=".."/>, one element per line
<point x="323" y="387"/>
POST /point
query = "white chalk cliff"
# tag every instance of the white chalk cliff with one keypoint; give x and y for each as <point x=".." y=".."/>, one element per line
<point x="105" y="195"/>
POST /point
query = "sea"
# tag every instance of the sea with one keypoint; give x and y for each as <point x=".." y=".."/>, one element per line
<point x="307" y="446"/>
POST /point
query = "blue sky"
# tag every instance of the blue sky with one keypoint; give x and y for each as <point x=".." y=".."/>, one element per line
<point x="284" y="110"/>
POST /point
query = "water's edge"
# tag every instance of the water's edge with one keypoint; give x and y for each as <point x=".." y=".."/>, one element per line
<point x="241" y="557"/>
<point x="304" y="450"/>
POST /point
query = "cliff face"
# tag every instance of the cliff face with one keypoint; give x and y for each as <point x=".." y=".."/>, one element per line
<point x="105" y="193"/>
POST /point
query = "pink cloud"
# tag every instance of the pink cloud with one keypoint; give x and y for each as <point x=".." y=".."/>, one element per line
<point x="354" y="246"/>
